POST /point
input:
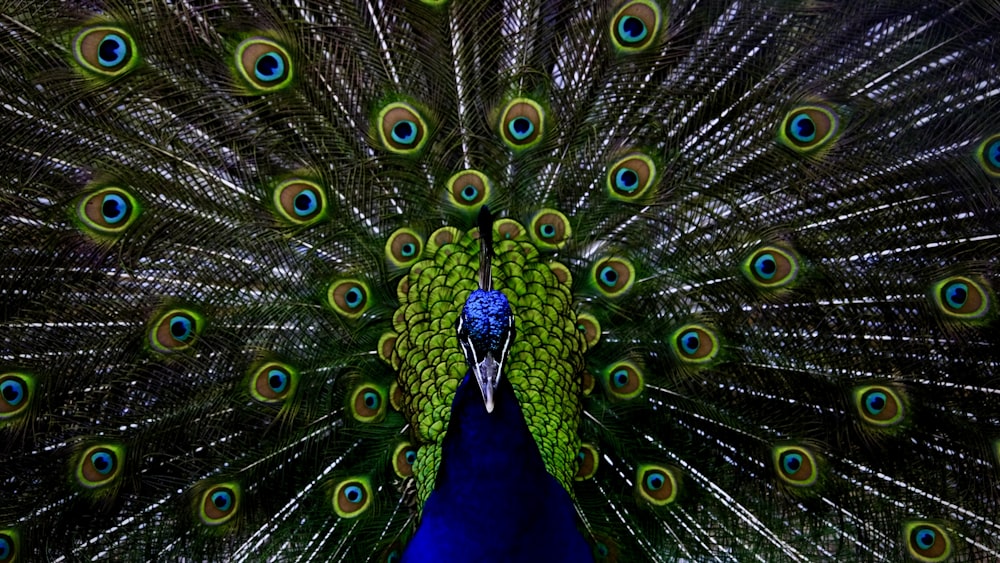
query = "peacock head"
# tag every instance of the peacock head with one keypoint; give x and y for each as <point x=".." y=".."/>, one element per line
<point x="485" y="332"/>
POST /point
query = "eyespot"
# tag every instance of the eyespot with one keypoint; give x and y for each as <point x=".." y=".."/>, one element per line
<point x="961" y="298"/>
<point x="771" y="267"/>
<point x="401" y="128"/>
<point x="273" y="382"/>
<point x="351" y="497"/>
<point x="522" y="123"/>
<point x="299" y="201"/>
<point x="590" y="327"/>
<point x="348" y="297"/>
<point x="878" y="405"/>
<point x="106" y="51"/>
<point x="795" y="466"/>
<point x="175" y="330"/>
<point x="989" y="155"/>
<point x="635" y="26"/>
<point x="99" y="465"/>
<point x="469" y="189"/>
<point x="623" y="380"/>
<point x="368" y="403"/>
<point x="808" y="128"/>
<point x="612" y="277"/>
<point x="16" y="393"/>
<point x="109" y="211"/>
<point x="263" y="65"/>
<point x="694" y="344"/>
<point x="508" y="229"/>
<point x="550" y="229"/>
<point x="403" y="248"/>
<point x="219" y="503"/>
<point x="403" y="459"/>
<point x="657" y="484"/>
<point x="631" y="177"/>
<point x="587" y="458"/>
<point x="927" y="542"/>
<point x="9" y="543"/>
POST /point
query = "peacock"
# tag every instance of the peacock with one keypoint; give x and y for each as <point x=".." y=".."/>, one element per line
<point x="499" y="280"/>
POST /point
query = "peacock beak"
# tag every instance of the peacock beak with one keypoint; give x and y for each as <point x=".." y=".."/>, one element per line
<point x="488" y="375"/>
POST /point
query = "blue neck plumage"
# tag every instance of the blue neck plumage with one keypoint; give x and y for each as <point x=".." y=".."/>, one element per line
<point x="493" y="499"/>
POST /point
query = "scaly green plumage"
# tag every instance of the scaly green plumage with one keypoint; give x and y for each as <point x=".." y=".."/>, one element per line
<point x="751" y="249"/>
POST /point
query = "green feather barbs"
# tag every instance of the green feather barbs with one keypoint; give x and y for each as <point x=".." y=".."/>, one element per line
<point x="105" y="51"/>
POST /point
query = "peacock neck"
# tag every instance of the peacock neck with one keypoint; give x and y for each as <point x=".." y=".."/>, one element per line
<point x="493" y="499"/>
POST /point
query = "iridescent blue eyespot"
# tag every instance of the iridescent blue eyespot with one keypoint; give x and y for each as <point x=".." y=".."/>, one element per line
<point x="175" y="330"/>
<point x="105" y="51"/>
<point x="181" y="328"/>
<point x="658" y="485"/>
<point x="223" y="500"/>
<point x="962" y="298"/>
<point x="218" y="504"/>
<point x="875" y="403"/>
<point x="626" y="180"/>
<point x="13" y="391"/>
<point x="608" y="276"/>
<point x="803" y="128"/>
<point x="264" y="65"/>
<point x="112" y="50"/>
<point x="635" y="25"/>
<point x="791" y="463"/>
<point x="372" y="400"/>
<point x="807" y="128"/>
<point x="306" y="203"/>
<point x="103" y="462"/>
<point x="927" y="542"/>
<point x="277" y="380"/>
<point x="348" y="297"/>
<point x="988" y="155"/>
<point x="796" y="466"/>
<point x="351" y="497"/>
<point x="521" y="128"/>
<point x="765" y="266"/>
<point x="620" y="378"/>
<point x="98" y="466"/>
<point x="404" y="132"/>
<point x="469" y="193"/>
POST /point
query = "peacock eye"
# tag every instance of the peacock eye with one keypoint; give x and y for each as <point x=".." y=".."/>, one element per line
<point x="771" y="267"/>
<point x="348" y="297"/>
<point x="962" y="298"/>
<point x="808" y="128"/>
<point x="587" y="461"/>
<point x="589" y="326"/>
<point x="521" y="123"/>
<point x="657" y="484"/>
<point x="403" y="459"/>
<point x="631" y="177"/>
<point x="795" y="466"/>
<point x="695" y="344"/>
<point x="108" y="211"/>
<point x="635" y="26"/>
<point x="175" y="330"/>
<point x="351" y="497"/>
<point x="299" y="201"/>
<point x="368" y="403"/>
<point x="878" y="405"/>
<point x="550" y="229"/>
<point x="624" y="380"/>
<point x="613" y="277"/>
<point x="15" y="394"/>
<point x="219" y="504"/>
<point x="8" y="546"/>
<point x="402" y="130"/>
<point x="105" y="51"/>
<point x="989" y="155"/>
<point x="403" y="248"/>
<point x="469" y="189"/>
<point x="273" y="382"/>
<point x="927" y="542"/>
<point x="99" y="465"/>
<point x="264" y="65"/>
